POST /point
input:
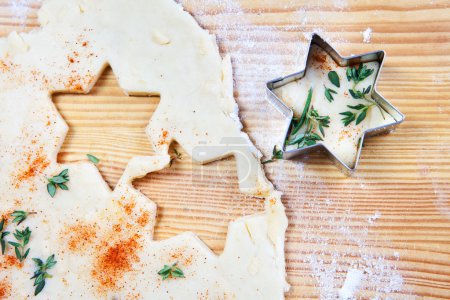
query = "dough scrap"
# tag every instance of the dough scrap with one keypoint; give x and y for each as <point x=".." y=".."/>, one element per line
<point x="103" y="239"/>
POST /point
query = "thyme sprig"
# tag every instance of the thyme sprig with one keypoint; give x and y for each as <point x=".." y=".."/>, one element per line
<point x="171" y="271"/>
<point x="41" y="273"/>
<point x="276" y="154"/>
<point x="357" y="75"/>
<point x="312" y="120"/>
<point x="360" y="94"/>
<point x="58" y="181"/>
<point x="3" y="234"/>
<point x="20" y="216"/>
<point x="22" y="237"/>
<point x="329" y="94"/>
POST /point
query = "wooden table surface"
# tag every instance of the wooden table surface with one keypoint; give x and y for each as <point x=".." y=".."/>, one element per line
<point x="391" y="219"/>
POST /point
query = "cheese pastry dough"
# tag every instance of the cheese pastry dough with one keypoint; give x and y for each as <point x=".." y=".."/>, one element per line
<point x="103" y="239"/>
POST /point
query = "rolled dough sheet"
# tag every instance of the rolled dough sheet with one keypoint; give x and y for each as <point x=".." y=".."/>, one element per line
<point x="103" y="239"/>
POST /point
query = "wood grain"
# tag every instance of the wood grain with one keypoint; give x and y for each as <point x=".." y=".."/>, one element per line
<point x="392" y="217"/>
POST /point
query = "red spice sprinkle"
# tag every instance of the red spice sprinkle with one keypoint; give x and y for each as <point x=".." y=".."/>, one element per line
<point x="5" y="289"/>
<point x="164" y="136"/>
<point x="9" y="262"/>
<point x="118" y="259"/>
<point x="321" y="58"/>
<point x="35" y="166"/>
<point x="129" y="207"/>
<point x="80" y="236"/>
<point x="143" y="219"/>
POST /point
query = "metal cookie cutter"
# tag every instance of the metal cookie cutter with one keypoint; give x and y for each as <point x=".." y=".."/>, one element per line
<point x="343" y="62"/>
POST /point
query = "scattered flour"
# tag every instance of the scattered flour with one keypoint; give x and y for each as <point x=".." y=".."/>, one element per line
<point x="367" y="35"/>
<point x="351" y="284"/>
<point x="340" y="236"/>
<point x="375" y="217"/>
<point x="340" y="4"/>
<point x="257" y="58"/>
<point x="21" y="8"/>
<point x="430" y="175"/>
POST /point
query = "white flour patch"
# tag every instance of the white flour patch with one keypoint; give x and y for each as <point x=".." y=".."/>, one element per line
<point x="375" y="217"/>
<point x="351" y="284"/>
<point x="441" y="197"/>
<point x="439" y="79"/>
<point x="343" y="241"/>
<point x="340" y="4"/>
<point x="367" y="35"/>
<point x="21" y="8"/>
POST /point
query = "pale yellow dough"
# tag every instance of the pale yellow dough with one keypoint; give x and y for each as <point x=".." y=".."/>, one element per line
<point x="103" y="239"/>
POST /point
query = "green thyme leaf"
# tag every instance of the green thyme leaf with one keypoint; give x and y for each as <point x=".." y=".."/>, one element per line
<point x="357" y="107"/>
<point x="38" y="261"/>
<point x="302" y="120"/>
<point x="51" y="188"/>
<point x="362" y="116"/>
<point x="172" y="271"/>
<point x="313" y="121"/>
<point x="358" y="75"/>
<point x="22" y="237"/>
<point x="315" y="137"/>
<point x="58" y="181"/>
<point x="14" y="244"/>
<point x="39" y="288"/>
<point x="41" y="273"/>
<point x="322" y="131"/>
<point x="20" y="216"/>
<point x="348" y="117"/>
<point x="297" y="140"/>
<point x="356" y="94"/>
<point x="3" y="234"/>
<point x="276" y="154"/>
<point x="177" y="273"/>
<point x="328" y="94"/>
<point x="93" y="159"/>
<point x="334" y="78"/>
<point x="63" y="186"/>
<point x="349" y="74"/>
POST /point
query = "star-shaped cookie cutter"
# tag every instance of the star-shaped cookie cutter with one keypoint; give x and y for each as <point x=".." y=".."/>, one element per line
<point x="342" y="61"/>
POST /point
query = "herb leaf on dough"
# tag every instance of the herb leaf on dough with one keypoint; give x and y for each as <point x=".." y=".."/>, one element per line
<point x="3" y="234"/>
<point x="41" y="273"/>
<point x="20" y="216"/>
<point x="58" y="181"/>
<point x="334" y="78"/>
<point x="22" y="237"/>
<point x="172" y="271"/>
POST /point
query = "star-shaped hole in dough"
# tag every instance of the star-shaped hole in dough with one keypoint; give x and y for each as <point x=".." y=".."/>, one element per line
<point x="111" y="125"/>
<point x="105" y="123"/>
